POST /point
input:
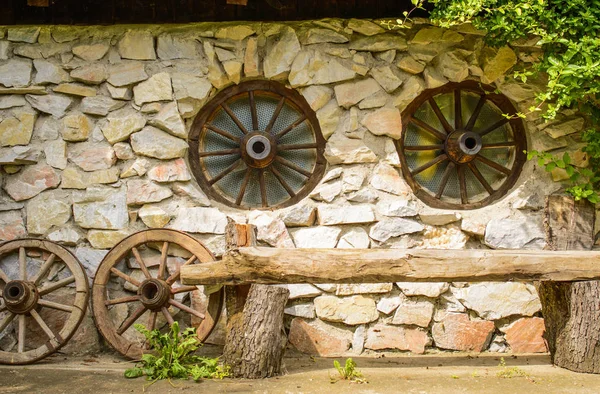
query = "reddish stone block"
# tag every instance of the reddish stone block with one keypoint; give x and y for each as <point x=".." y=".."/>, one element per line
<point x="319" y="338"/>
<point x="457" y="332"/>
<point x="525" y="335"/>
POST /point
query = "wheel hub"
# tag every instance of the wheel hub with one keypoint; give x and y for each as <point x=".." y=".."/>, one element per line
<point x="20" y="296"/>
<point x="258" y="149"/>
<point x="154" y="293"/>
<point x="462" y="146"/>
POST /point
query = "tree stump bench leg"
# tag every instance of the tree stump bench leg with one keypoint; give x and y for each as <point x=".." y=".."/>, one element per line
<point x="256" y="339"/>
<point x="571" y="310"/>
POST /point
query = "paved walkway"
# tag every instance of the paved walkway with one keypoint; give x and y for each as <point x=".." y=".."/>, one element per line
<point x="443" y="373"/>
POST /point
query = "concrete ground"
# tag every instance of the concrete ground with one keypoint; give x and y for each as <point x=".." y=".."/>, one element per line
<point x="392" y="373"/>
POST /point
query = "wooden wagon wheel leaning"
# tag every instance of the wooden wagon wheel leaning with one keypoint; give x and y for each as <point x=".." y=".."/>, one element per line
<point x="44" y="294"/>
<point x="138" y="281"/>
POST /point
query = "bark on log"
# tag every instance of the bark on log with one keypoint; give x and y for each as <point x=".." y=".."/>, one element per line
<point x="571" y="310"/>
<point x="256" y="340"/>
<point x="272" y="265"/>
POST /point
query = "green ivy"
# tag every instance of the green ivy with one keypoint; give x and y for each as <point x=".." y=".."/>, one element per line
<point x="568" y="32"/>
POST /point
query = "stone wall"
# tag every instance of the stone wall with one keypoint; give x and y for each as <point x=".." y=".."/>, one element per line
<point x="93" y="127"/>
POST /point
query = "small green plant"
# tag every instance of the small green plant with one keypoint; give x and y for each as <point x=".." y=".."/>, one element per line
<point x="173" y="357"/>
<point x="348" y="372"/>
<point x="508" y="373"/>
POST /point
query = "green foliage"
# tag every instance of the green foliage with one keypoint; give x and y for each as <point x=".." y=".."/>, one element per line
<point x="394" y="24"/>
<point x="568" y="32"/>
<point x="173" y="357"/>
<point x="584" y="180"/>
<point x="348" y="372"/>
<point x="508" y="373"/>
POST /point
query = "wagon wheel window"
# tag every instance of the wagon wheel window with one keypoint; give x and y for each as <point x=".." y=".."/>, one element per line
<point x="257" y="145"/>
<point x="458" y="150"/>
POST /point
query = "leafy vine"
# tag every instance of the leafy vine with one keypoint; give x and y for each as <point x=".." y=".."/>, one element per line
<point x="568" y="32"/>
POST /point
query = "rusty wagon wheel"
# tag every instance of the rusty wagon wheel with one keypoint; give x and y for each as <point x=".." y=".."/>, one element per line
<point x="138" y="280"/>
<point x="44" y="294"/>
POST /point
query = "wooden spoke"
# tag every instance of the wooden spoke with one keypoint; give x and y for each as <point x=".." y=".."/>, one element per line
<point x="41" y="275"/>
<point x="444" y="180"/>
<point x="125" y="276"/>
<point x="275" y="115"/>
<point x="3" y="276"/>
<point x="225" y="172"/>
<point x="122" y="300"/>
<point x="56" y="285"/>
<point x="171" y="279"/>
<point x="496" y="145"/>
<point x="3" y="307"/>
<point x="234" y="118"/>
<point x="297" y="146"/>
<point x="425" y="127"/>
<point x="152" y="320"/>
<point x="462" y="182"/>
<point x="493" y="127"/>
<point x="36" y="316"/>
<point x="55" y="305"/>
<point x="21" y="335"/>
<point x="7" y="321"/>
<point x="183" y="289"/>
<point x="162" y="268"/>
<point x="493" y="164"/>
<point x="22" y="264"/>
<point x="293" y="166"/>
<point x="475" y="113"/>
<point x="458" y="120"/>
<point x="222" y="132"/>
<point x="263" y="189"/>
<point x="433" y="162"/>
<point x="187" y="309"/>
<point x="282" y="181"/>
<point x="240" y="196"/>
<point x="253" y="111"/>
<point x="423" y="147"/>
<point x="291" y="127"/>
<point x="131" y="319"/>
<point x="167" y="315"/>
<point x="440" y="116"/>
<point x="224" y="152"/>
<point x="480" y="178"/>
<point x="140" y="263"/>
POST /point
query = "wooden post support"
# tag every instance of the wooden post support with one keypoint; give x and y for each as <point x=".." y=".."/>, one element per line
<point x="256" y="339"/>
<point x="571" y="310"/>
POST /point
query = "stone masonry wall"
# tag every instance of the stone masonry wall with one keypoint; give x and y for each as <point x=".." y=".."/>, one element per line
<point x="93" y="127"/>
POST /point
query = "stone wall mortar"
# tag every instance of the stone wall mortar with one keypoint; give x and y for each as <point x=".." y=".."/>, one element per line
<point x="93" y="128"/>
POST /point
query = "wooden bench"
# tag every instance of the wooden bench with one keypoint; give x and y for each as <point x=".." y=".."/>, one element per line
<point x="568" y="286"/>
